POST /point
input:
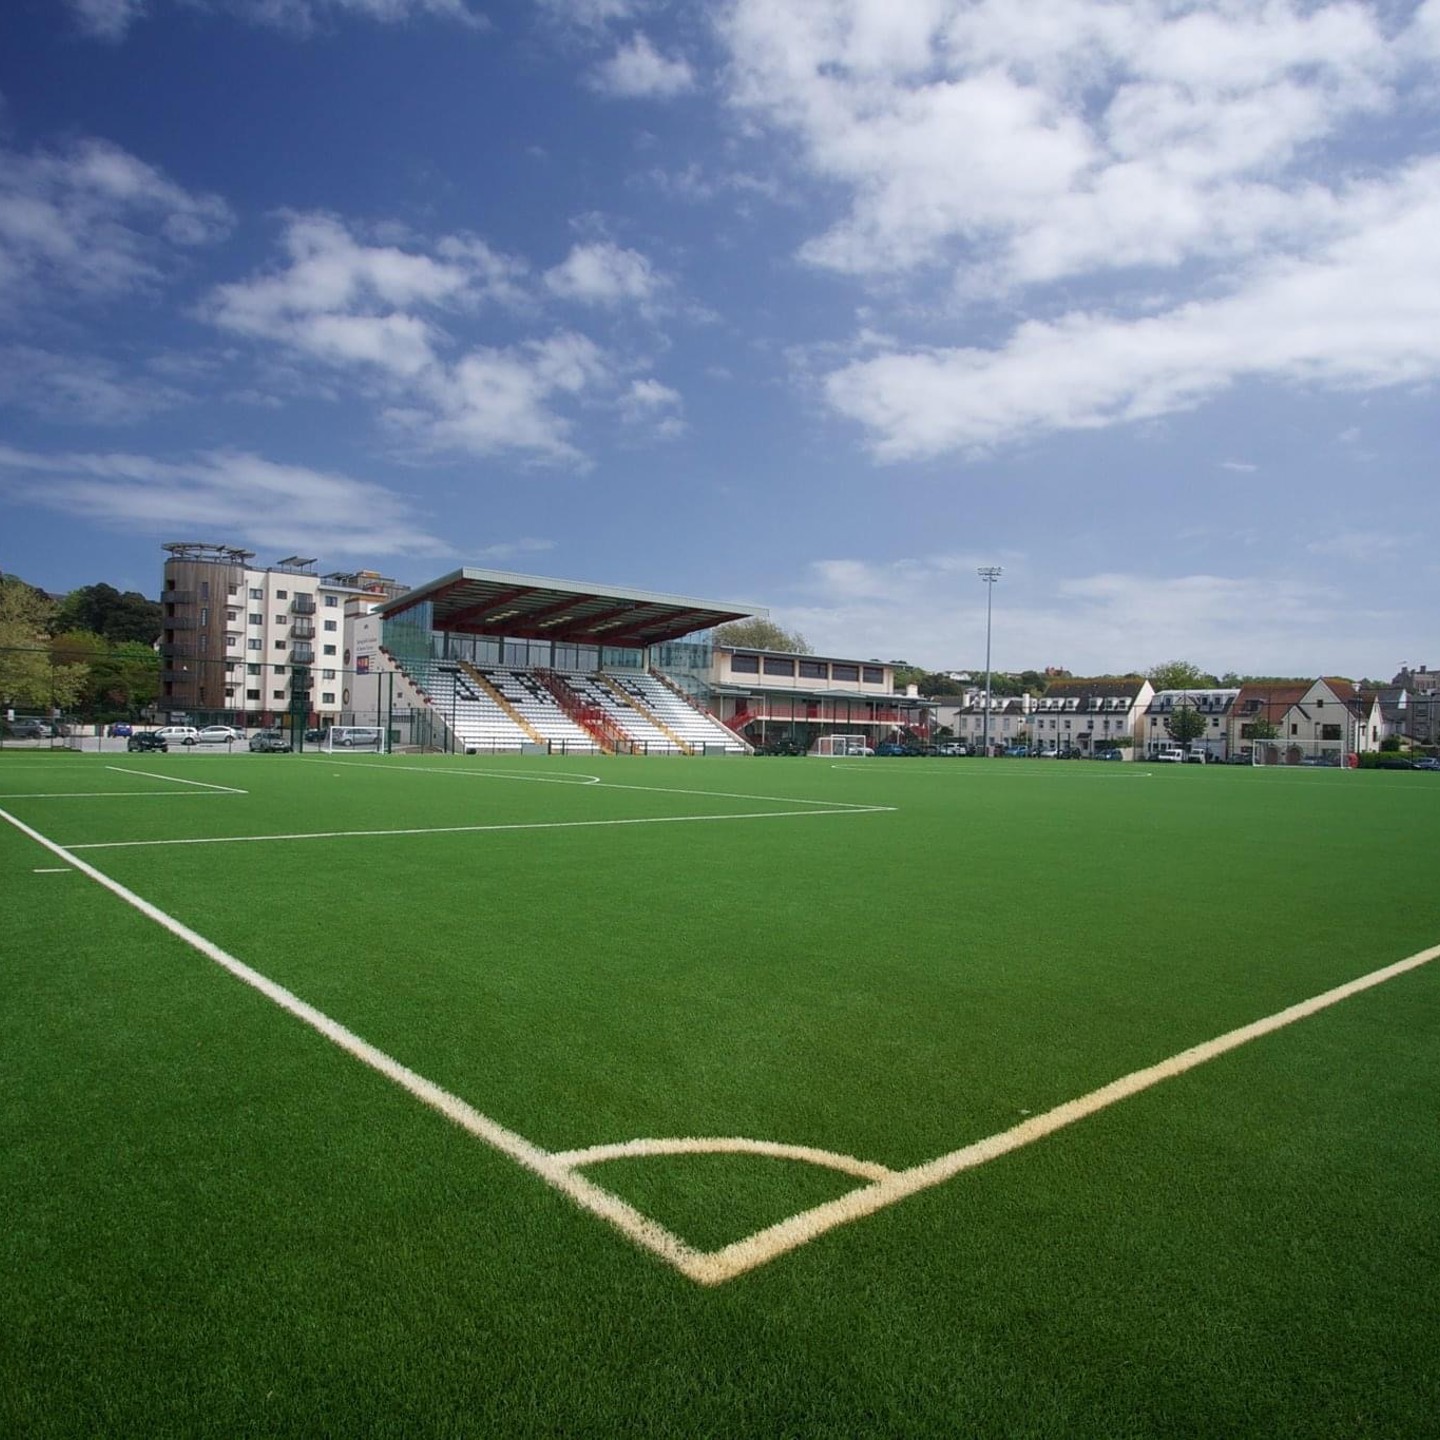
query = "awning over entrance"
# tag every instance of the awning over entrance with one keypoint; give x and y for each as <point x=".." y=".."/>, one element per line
<point x="530" y="607"/>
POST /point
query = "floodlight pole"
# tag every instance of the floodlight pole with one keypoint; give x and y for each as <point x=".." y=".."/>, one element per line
<point x="989" y="574"/>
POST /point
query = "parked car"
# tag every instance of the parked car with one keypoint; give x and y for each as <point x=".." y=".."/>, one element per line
<point x="1016" y="751"/>
<point x="30" y="729"/>
<point x="1196" y="757"/>
<point x="180" y="734"/>
<point x="1169" y="755"/>
<point x="219" y="735"/>
<point x="952" y="747"/>
<point x="1108" y="755"/>
<point x="1427" y="762"/>
<point x="146" y="740"/>
<point x="895" y="747"/>
<point x="1395" y="762"/>
<point x="270" y="742"/>
<point x="120" y="729"/>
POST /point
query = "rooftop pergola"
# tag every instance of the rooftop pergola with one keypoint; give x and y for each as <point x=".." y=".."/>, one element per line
<point x="530" y="607"/>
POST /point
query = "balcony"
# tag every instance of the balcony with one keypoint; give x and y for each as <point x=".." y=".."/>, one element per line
<point x="303" y="605"/>
<point x="302" y="654"/>
<point x="172" y="650"/>
<point x="302" y="629"/>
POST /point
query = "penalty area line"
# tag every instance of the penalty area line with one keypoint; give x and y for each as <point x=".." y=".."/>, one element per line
<point x="478" y="829"/>
<point x="177" y="780"/>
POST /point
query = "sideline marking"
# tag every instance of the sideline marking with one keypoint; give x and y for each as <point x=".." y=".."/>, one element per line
<point x="55" y="870"/>
<point x="176" y="780"/>
<point x="717" y="1266"/>
<point x="481" y="829"/>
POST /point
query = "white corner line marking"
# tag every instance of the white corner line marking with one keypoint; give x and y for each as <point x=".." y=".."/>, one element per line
<point x="478" y="829"/>
<point x="717" y="1266"/>
<point x="177" y="780"/>
<point x="724" y="1145"/>
<point x="587" y="1195"/>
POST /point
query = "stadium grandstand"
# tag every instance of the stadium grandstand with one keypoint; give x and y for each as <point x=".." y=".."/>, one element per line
<point x="486" y="661"/>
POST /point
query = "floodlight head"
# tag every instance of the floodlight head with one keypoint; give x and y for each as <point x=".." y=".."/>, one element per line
<point x="989" y="573"/>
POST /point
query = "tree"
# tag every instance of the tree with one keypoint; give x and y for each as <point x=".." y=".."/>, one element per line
<point x="1261" y="730"/>
<point x="104" y="611"/>
<point x="1185" y="723"/>
<point x="1179" y="675"/>
<point x="757" y="634"/>
<point x="28" y="675"/>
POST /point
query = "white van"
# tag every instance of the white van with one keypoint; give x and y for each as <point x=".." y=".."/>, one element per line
<point x="1170" y="755"/>
<point x="355" y="737"/>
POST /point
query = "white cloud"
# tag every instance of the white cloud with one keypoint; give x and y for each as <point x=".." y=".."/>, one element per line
<point x="257" y="501"/>
<point x="495" y="400"/>
<point x="1216" y="158"/>
<point x="79" y="388"/>
<point x="1364" y="313"/>
<point x="90" y="219"/>
<point x="603" y="274"/>
<point x="638" y="71"/>
<point x="1360" y="547"/>
<point x="1241" y="467"/>
<point x="390" y="312"/>
<point x="111" y="19"/>
<point x="512" y="549"/>
<point x="657" y="407"/>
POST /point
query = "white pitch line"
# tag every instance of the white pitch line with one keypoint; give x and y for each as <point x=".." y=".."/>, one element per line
<point x="451" y="771"/>
<point x="109" y="795"/>
<point x="724" y="1145"/>
<point x="56" y="870"/>
<point x="717" y="1266"/>
<point x="176" y="780"/>
<point x="589" y="1196"/>
<point x="765" y="1245"/>
<point x="478" y="829"/>
<point x="617" y="785"/>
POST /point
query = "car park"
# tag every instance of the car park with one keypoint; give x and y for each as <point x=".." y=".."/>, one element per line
<point x="270" y="742"/>
<point x="146" y="740"/>
<point x="219" y="735"/>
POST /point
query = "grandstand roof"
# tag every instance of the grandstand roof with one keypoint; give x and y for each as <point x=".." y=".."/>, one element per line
<point x="531" y="607"/>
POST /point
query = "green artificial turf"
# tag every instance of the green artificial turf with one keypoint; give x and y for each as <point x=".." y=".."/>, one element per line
<point x="219" y="1224"/>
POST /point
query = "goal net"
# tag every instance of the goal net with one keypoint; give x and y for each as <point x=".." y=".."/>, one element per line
<point x="1295" y="752"/>
<point x="841" y="745"/>
<point x="346" y="738"/>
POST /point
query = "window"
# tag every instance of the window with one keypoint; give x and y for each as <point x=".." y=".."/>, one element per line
<point x="327" y="697"/>
<point x="282" y="594"/>
<point x="233" y="590"/>
<point x="252" y="694"/>
<point x="256" y="619"/>
<point x="231" y="616"/>
<point x="277" y="669"/>
<point x="257" y="594"/>
<point x="252" y="669"/>
<point x="330" y="625"/>
<point x="279" y="619"/>
<point x="1329" y="732"/>
<point x="331" y="601"/>
<point x="204" y="614"/>
<point x="255" y="644"/>
<point x="745" y="664"/>
<point x="327" y="674"/>
<point x="774" y="665"/>
<point x="874" y="675"/>
<point x="277" y="694"/>
<point x="1294" y="729"/>
<point x="814" y="670"/>
<point x="204" y="589"/>
<point x="280" y="644"/>
<point x="329" y="649"/>
<point x="845" y="672"/>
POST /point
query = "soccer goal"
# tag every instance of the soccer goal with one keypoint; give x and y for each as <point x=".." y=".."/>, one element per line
<point x="842" y="745"/>
<point x="1294" y="752"/>
<point x="353" y="737"/>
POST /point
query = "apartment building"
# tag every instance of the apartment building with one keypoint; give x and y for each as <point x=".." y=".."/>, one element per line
<point x="248" y="643"/>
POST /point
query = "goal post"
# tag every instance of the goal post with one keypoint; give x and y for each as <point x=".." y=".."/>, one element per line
<point x="1295" y="752"/>
<point x="841" y="745"/>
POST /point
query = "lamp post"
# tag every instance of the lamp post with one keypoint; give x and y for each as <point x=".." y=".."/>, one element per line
<point x="989" y="574"/>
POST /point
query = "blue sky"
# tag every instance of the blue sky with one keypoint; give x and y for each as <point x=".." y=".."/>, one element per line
<point x="813" y="303"/>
